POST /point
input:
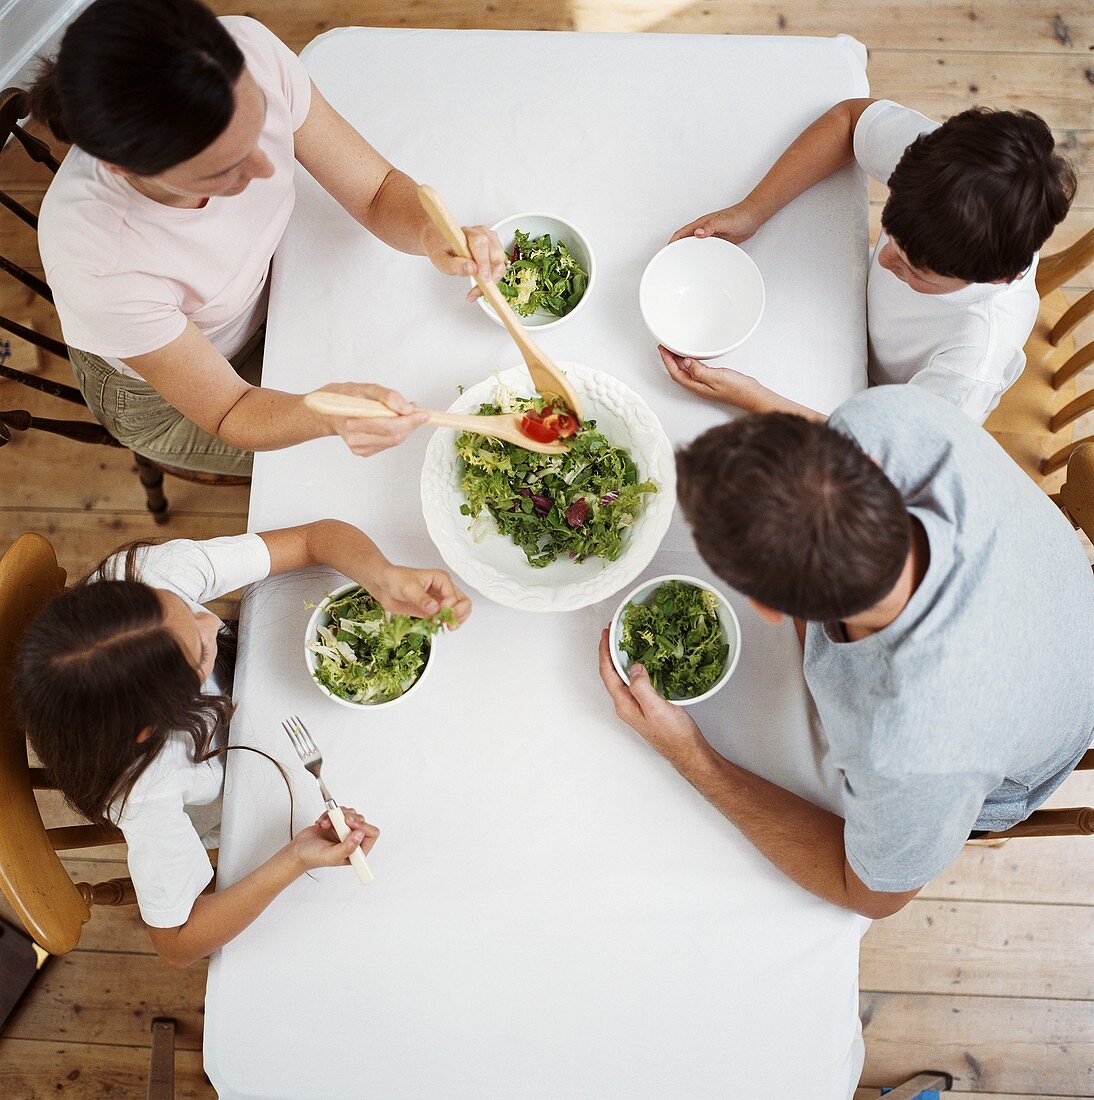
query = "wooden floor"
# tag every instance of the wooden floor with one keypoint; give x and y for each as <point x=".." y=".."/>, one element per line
<point x="989" y="974"/>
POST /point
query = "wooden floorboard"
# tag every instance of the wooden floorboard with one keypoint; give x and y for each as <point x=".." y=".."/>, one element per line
<point x="32" y="1069"/>
<point x="988" y="973"/>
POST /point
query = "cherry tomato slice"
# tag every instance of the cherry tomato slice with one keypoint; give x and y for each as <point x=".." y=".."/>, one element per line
<point x="562" y="423"/>
<point x="534" y="428"/>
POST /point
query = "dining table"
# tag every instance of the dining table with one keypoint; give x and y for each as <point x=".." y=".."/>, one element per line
<point x="555" y="912"/>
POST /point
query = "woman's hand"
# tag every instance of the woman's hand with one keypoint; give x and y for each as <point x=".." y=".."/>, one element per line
<point x="734" y="224"/>
<point x="730" y="387"/>
<point x="420" y="592"/>
<point x="487" y="256"/>
<point x="369" y="435"/>
<point x="318" y="845"/>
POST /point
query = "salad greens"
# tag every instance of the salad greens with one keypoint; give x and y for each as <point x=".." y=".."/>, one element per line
<point x="542" y="274"/>
<point x="367" y="655"/>
<point x="578" y="504"/>
<point x="678" y="637"/>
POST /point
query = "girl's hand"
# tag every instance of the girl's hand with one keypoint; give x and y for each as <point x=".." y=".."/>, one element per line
<point x="488" y="257"/>
<point x="369" y="435"/>
<point x="734" y="224"/>
<point x="714" y="383"/>
<point x="319" y="846"/>
<point x="420" y="592"/>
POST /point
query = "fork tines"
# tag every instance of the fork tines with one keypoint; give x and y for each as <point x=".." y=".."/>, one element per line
<point x="302" y="740"/>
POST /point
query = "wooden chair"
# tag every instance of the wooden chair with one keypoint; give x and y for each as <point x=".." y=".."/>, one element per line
<point x="1074" y="821"/>
<point x="1035" y="419"/>
<point x="52" y="908"/>
<point x="1076" y="495"/>
<point x="15" y="105"/>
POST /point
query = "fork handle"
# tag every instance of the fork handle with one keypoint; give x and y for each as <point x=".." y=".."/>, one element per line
<point x="360" y="864"/>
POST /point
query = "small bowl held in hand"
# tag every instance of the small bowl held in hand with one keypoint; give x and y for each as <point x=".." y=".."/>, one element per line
<point x="701" y="297"/>
<point x="321" y="617"/>
<point x="727" y="617"/>
<point x="535" y="225"/>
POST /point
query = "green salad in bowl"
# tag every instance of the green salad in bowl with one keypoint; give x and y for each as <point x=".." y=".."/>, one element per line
<point x="577" y="505"/>
<point x="542" y="274"/>
<point x="361" y="655"/>
<point x="683" y="632"/>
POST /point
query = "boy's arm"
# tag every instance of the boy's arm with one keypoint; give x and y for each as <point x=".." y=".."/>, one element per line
<point x="730" y="387"/>
<point x="821" y="149"/>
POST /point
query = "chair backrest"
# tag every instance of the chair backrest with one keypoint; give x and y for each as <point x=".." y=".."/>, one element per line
<point x="52" y="908"/>
<point x="1076" y="496"/>
<point x="1035" y="418"/>
<point x="1072" y="821"/>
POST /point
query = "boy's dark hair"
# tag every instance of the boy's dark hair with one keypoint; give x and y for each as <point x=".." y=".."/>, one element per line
<point x="794" y="514"/>
<point x="976" y="198"/>
<point x="143" y="84"/>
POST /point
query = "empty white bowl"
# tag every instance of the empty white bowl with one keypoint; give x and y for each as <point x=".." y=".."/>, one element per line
<point x="726" y="616"/>
<point x="535" y="225"/>
<point x="701" y="297"/>
<point x="320" y="617"/>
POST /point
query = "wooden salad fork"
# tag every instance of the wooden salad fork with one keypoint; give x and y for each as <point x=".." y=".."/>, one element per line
<point x="504" y="426"/>
<point x="312" y="760"/>
<point x="546" y="376"/>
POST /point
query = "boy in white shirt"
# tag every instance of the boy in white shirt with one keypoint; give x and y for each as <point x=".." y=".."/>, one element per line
<point x="951" y="297"/>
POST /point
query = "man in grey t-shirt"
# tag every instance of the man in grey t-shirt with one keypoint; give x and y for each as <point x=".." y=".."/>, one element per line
<point x="948" y="616"/>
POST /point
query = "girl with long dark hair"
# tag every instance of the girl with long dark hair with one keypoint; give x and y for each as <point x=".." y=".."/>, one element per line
<point x="122" y="685"/>
<point x="157" y="232"/>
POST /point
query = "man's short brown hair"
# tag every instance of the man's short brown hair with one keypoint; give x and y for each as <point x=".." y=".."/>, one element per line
<point x="976" y="198"/>
<point x="794" y="514"/>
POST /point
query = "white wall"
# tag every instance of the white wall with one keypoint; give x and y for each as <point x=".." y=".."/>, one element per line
<point x="29" y="28"/>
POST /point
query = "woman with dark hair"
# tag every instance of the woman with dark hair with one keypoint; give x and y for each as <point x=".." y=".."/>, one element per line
<point x="157" y="232"/>
<point x="121" y="683"/>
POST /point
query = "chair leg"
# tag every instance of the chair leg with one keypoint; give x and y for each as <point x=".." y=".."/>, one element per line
<point x="152" y="480"/>
<point x="161" y="1065"/>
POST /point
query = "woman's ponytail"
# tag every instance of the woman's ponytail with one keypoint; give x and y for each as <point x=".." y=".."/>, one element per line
<point x="45" y="100"/>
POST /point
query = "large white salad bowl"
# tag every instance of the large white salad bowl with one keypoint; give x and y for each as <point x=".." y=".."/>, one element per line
<point x="490" y="562"/>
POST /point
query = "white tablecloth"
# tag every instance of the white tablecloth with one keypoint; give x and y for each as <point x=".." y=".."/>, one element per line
<point x="555" y="913"/>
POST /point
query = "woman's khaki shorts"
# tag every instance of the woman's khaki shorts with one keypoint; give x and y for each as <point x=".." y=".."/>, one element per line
<point x="135" y="414"/>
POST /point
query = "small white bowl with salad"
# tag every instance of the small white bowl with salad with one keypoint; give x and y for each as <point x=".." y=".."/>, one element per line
<point x="550" y="273"/>
<point x="685" y="633"/>
<point x="362" y="656"/>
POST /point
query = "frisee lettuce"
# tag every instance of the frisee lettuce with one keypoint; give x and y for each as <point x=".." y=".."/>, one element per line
<point x="678" y="637"/>
<point x="367" y="655"/>
<point x="579" y="504"/>
<point x="542" y="274"/>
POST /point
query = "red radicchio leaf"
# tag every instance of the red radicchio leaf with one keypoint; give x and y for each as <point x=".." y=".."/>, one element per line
<point x="578" y="512"/>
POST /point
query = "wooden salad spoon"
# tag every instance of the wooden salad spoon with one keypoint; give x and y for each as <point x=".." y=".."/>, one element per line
<point x="505" y="426"/>
<point x="546" y="376"/>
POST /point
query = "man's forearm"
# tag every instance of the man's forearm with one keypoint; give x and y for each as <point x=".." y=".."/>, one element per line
<point x="267" y="420"/>
<point x="804" y="841"/>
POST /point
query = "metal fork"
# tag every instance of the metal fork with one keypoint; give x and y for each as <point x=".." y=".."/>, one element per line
<point x="312" y="760"/>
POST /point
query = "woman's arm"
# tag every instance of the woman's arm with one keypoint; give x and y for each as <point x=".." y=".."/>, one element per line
<point x="191" y="375"/>
<point x="380" y="197"/>
<point x="217" y="918"/>
<point x="820" y="149"/>
<point x="343" y="547"/>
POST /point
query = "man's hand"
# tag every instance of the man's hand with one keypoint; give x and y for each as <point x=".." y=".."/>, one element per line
<point x="420" y="592"/>
<point x="369" y="435"/>
<point x="721" y="384"/>
<point x="667" y="728"/>
<point x="734" y="224"/>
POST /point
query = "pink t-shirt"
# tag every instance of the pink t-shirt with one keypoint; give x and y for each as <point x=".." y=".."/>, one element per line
<point x="128" y="272"/>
